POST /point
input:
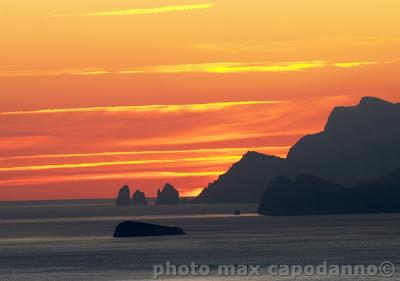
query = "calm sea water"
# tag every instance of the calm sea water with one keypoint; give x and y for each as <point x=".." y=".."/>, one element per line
<point x="72" y="240"/>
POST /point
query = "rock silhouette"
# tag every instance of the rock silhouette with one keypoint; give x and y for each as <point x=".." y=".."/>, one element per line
<point x="137" y="229"/>
<point x="359" y="144"/>
<point x="167" y="196"/>
<point x="245" y="181"/>
<point x="124" y="196"/>
<point x="304" y="196"/>
<point x="311" y="195"/>
<point x="139" y="198"/>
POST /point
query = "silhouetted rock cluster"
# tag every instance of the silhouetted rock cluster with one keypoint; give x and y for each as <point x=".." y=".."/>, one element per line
<point x="136" y="229"/>
<point x="311" y="195"/>
<point x="139" y="198"/>
<point x="167" y="196"/>
<point x="359" y="144"/>
<point x="124" y="197"/>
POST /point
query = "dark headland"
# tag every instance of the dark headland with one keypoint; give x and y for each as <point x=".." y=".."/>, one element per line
<point x="358" y="148"/>
<point x="311" y="195"/>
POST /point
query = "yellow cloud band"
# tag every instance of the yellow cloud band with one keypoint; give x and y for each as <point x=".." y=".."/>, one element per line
<point x="219" y="159"/>
<point x="145" y="152"/>
<point x="107" y="176"/>
<point x="145" y="108"/>
<point x="143" y="11"/>
<point x="229" y="67"/>
<point x="214" y="67"/>
<point x="354" y="64"/>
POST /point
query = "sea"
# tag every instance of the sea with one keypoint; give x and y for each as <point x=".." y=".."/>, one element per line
<point x="73" y="240"/>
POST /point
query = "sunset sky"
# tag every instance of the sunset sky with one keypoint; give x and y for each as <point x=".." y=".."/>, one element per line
<point x="95" y="94"/>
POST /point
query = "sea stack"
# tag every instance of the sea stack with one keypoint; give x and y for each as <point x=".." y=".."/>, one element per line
<point x="139" y="198"/>
<point x="168" y="196"/>
<point x="124" y="196"/>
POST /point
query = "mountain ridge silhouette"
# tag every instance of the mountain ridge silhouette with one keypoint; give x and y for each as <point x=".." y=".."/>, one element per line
<point x="359" y="144"/>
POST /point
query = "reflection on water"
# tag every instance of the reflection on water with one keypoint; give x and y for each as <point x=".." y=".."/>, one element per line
<point x="74" y="242"/>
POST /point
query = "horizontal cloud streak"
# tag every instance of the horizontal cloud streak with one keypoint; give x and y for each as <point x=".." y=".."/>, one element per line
<point x="237" y="67"/>
<point x="200" y="107"/>
<point x="107" y="176"/>
<point x="229" y="158"/>
<point x="157" y="152"/>
<point x="229" y="67"/>
<point x="214" y="68"/>
<point x="355" y="64"/>
<point x="93" y="72"/>
<point x="143" y="11"/>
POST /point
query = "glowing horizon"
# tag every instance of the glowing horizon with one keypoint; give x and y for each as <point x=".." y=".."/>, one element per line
<point x="98" y="94"/>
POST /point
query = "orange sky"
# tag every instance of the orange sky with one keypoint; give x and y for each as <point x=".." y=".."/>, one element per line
<point x="97" y="94"/>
